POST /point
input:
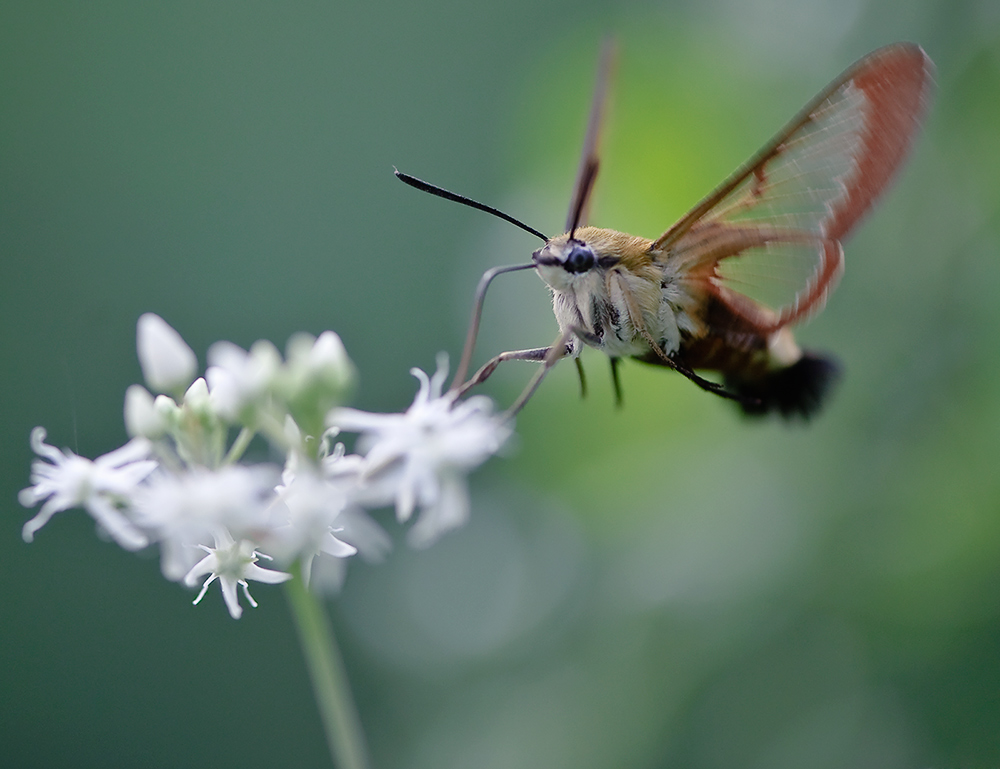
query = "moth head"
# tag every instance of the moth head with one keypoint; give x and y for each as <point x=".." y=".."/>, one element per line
<point x="573" y="256"/>
<point x="561" y="260"/>
<point x="564" y="260"/>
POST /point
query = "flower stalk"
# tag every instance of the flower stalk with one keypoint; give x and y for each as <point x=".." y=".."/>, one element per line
<point x="344" y="735"/>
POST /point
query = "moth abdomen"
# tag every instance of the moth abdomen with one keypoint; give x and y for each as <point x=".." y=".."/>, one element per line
<point x="795" y="391"/>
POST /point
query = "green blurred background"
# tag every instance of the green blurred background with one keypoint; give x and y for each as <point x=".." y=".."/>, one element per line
<point x="665" y="586"/>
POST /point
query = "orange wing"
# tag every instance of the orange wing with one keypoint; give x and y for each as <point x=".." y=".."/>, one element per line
<point x="767" y="240"/>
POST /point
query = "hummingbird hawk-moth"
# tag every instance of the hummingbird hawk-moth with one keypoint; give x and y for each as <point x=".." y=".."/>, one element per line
<point x="720" y="290"/>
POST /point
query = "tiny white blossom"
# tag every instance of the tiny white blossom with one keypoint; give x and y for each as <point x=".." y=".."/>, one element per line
<point x="314" y="505"/>
<point x="196" y="397"/>
<point x="232" y="563"/>
<point x="166" y="407"/>
<point x="168" y="364"/>
<point x="323" y="358"/>
<point x="347" y="471"/>
<point x="142" y="418"/>
<point x="328" y="352"/>
<point x="308" y="509"/>
<point x="65" y="480"/>
<point x="237" y="378"/>
<point x="184" y="511"/>
<point x="426" y="452"/>
<point x="314" y="379"/>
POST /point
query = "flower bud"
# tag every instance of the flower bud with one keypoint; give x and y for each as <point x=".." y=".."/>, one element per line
<point x="142" y="419"/>
<point x="167" y="408"/>
<point x="238" y="380"/>
<point x="196" y="396"/>
<point x="315" y="378"/>
<point x="168" y="364"/>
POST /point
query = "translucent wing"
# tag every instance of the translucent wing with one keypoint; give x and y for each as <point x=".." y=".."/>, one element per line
<point x="767" y="241"/>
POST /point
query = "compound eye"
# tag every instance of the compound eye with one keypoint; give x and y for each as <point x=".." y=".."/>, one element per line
<point x="579" y="259"/>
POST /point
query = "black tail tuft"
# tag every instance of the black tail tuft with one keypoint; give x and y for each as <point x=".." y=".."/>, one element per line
<point x="797" y="391"/>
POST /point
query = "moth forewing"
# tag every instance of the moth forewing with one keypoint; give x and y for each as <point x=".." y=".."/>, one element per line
<point x="896" y="83"/>
<point x="855" y="133"/>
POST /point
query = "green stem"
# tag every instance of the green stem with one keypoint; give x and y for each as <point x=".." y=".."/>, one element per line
<point x="239" y="446"/>
<point x="329" y="679"/>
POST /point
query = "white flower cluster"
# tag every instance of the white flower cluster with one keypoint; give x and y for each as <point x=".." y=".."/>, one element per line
<point x="179" y="484"/>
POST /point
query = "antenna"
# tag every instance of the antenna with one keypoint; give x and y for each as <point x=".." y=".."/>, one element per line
<point x="587" y="170"/>
<point x="455" y="197"/>
<point x="589" y="174"/>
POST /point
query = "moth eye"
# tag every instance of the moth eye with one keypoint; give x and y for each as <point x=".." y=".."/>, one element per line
<point x="579" y="259"/>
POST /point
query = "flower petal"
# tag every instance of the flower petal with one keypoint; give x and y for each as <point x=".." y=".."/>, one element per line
<point x="117" y="525"/>
<point x="49" y="509"/>
<point x="268" y="576"/>
<point x="231" y="597"/>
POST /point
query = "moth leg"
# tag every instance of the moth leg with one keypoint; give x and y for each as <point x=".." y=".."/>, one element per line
<point x="705" y="384"/>
<point x="565" y="345"/>
<point x="680" y="368"/>
<point x="635" y="315"/>
<point x="585" y="336"/>
<point x="553" y="355"/>
<point x="538" y="354"/>
<point x="616" y="382"/>
<point x="714" y="387"/>
<point x="583" y="379"/>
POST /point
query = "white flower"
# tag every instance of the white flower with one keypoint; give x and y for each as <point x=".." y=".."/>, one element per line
<point x="142" y="417"/>
<point x="101" y="486"/>
<point x="318" y="510"/>
<point x="308" y="511"/>
<point x="196" y="397"/>
<point x="232" y="563"/>
<point x="426" y="452"/>
<point x="237" y="378"/>
<point x="188" y="510"/>
<point x="322" y="359"/>
<point x="354" y="524"/>
<point x="314" y="379"/>
<point x="168" y="364"/>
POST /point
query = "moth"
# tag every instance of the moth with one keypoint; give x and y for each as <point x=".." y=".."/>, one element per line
<point x="720" y="290"/>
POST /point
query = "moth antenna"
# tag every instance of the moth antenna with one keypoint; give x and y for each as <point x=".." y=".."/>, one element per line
<point x="589" y="155"/>
<point x="583" y="195"/>
<point x="456" y="198"/>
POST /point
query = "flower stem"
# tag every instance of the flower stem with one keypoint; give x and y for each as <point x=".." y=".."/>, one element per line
<point x="239" y="446"/>
<point x="329" y="679"/>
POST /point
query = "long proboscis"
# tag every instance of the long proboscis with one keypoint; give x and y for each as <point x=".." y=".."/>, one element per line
<point x="477" y="313"/>
<point x="423" y="186"/>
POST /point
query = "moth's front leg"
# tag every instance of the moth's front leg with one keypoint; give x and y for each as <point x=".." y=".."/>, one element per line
<point x="538" y="355"/>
